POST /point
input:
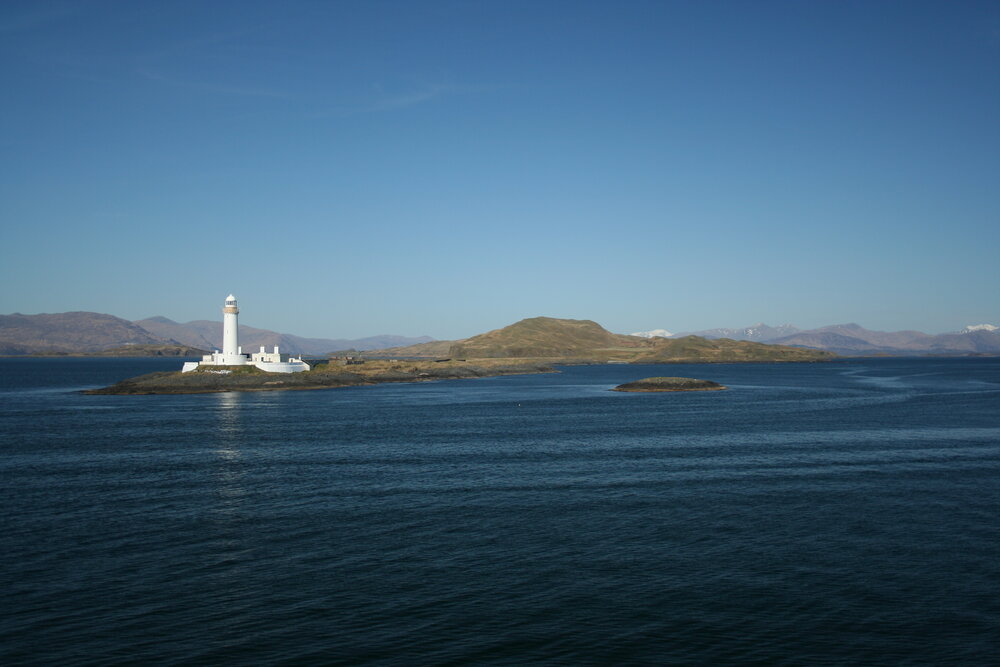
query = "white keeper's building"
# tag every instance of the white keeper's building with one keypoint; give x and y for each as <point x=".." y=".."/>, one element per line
<point x="232" y="354"/>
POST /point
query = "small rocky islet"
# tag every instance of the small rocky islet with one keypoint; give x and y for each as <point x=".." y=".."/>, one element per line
<point x="656" y="384"/>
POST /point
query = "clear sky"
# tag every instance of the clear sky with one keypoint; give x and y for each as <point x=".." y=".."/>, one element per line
<point x="445" y="168"/>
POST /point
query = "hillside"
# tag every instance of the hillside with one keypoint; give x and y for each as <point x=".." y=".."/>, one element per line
<point x="854" y="339"/>
<point x="153" y="351"/>
<point x="544" y="337"/>
<point x="879" y="340"/>
<point x="980" y="341"/>
<point x="182" y="333"/>
<point x="697" y="349"/>
<point x="91" y="333"/>
<point x="433" y="350"/>
<point x="833" y="342"/>
<point x="70" y="333"/>
<point x="586" y="341"/>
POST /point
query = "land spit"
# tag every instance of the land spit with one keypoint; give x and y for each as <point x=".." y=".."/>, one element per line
<point x="214" y="379"/>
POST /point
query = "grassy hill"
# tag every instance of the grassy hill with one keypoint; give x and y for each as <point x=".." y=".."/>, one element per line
<point x="543" y="337"/>
<point x="583" y="341"/>
<point x="433" y="350"/>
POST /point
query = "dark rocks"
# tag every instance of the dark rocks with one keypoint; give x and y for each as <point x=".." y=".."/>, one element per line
<point x="249" y="378"/>
<point x="669" y="384"/>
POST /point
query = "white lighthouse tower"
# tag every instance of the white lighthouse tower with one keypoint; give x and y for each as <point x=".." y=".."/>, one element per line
<point x="232" y="355"/>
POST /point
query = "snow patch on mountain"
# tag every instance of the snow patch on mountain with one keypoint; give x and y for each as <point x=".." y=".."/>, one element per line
<point x="655" y="333"/>
<point x="980" y="327"/>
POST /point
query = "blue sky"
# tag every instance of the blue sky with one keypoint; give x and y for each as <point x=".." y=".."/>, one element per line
<point x="445" y="168"/>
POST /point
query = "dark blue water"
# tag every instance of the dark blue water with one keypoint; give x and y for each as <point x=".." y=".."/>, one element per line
<point x="817" y="513"/>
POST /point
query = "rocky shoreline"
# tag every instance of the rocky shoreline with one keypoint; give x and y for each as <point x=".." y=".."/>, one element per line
<point x="325" y="376"/>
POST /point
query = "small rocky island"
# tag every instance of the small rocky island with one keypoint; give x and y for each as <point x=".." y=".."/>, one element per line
<point x="211" y="379"/>
<point x="670" y="384"/>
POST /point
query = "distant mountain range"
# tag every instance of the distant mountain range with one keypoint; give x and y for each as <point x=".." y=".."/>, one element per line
<point x="69" y="333"/>
<point x="86" y="332"/>
<point x="208" y="334"/>
<point x="853" y="339"/>
<point x="757" y="332"/>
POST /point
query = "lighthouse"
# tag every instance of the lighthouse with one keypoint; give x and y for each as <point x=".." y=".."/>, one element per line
<point x="231" y="352"/>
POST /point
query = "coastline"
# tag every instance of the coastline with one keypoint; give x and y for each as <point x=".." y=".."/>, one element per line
<point x="209" y="380"/>
<point x="326" y="376"/>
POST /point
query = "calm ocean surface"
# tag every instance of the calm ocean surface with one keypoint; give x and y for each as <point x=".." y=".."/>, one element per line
<point x="813" y="514"/>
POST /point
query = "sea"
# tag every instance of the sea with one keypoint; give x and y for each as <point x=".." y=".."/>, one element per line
<point x="812" y="514"/>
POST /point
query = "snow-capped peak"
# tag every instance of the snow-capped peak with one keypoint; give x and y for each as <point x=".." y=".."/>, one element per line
<point x="980" y="327"/>
<point x="655" y="333"/>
